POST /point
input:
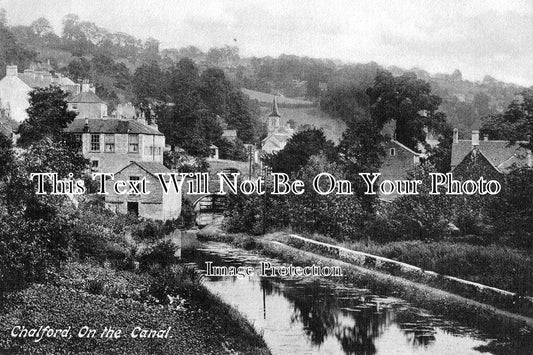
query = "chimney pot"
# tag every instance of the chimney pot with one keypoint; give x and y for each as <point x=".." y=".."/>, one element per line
<point x="475" y="138"/>
<point x="455" y="135"/>
<point x="11" y="70"/>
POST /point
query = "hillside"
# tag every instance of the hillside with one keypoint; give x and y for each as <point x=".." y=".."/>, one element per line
<point x="85" y="50"/>
<point x="299" y="113"/>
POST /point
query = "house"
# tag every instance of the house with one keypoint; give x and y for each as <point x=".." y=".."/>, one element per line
<point x="15" y="86"/>
<point x="112" y="143"/>
<point x="155" y="205"/>
<point x="397" y="161"/>
<point x="87" y="104"/>
<point x="230" y="135"/>
<point x="488" y="158"/>
<point x="278" y="135"/>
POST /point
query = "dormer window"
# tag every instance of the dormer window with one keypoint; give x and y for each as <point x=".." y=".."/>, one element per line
<point x="392" y="152"/>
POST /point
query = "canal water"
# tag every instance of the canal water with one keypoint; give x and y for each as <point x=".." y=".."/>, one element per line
<point x="312" y="316"/>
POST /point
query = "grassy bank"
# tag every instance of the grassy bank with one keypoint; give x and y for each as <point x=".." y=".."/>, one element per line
<point x="90" y="295"/>
<point x="493" y="265"/>
<point x="513" y="331"/>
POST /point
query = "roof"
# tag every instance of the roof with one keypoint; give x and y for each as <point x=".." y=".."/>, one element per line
<point x="39" y="79"/>
<point x="229" y="133"/>
<point x="86" y="97"/>
<point x="501" y="154"/>
<point x="8" y="127"/>
<point x="275" y="111"/>
<point x="406" y="148"/>
<point x="150" y="167"/>
<point x="111" y="125"/>
<point x="5" y="130"/>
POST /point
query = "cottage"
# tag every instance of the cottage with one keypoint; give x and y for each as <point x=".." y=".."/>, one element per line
<point x="155" y="205"/>
<point x="87" y="104"/>
<point x="112" y="143"/>
<point x="15" y="87"/>
<point x="397" y="161"/>
<point x="488" y="158"/>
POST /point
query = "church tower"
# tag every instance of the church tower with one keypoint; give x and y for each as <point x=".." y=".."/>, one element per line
<point x="273" y="118"/>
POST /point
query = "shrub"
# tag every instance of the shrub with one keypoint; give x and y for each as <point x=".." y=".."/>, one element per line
<point x="162" y="254"/>
<point x="96" y="287"/>
<point x="176" y="280"/>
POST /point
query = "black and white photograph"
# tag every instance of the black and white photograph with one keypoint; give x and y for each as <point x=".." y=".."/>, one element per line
<point x="276" y="177"/>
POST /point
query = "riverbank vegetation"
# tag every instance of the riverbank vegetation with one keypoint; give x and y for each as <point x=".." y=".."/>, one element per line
<point x="513" y="331"/>
<point x="73" y="263"/>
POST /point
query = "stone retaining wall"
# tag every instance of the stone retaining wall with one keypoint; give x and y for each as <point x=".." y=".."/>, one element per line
<point x="468" y="288"/>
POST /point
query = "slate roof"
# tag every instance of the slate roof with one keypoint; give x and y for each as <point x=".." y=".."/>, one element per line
<point x="111" y="125"/>
<point x="8" y="127"/>
<point x="150" y="167"/>
<point x="86" y="97"/>
<point x="499" y="153"/>
<point x="43" y="79"/>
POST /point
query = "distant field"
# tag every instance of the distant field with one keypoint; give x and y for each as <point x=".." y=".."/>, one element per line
<point x="281" y="100"/>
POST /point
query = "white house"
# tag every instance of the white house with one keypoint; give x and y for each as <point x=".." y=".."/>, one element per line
<point x="15" y="86"/>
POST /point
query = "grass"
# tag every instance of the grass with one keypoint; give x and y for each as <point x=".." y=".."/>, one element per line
<point x="206" y="326"/>
<point x="494" y="265"/>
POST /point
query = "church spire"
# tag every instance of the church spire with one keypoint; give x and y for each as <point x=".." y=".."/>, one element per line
<point x="275" y="111"/>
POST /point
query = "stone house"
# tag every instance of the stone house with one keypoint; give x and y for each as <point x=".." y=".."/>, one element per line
<point x="397" y="161"/>
<point x="15" y="86"/>
<point x="155" y="205"/>
<point x="87" y="104"/>
<point x="488" y="158"/>
<point x="112" y="143"/>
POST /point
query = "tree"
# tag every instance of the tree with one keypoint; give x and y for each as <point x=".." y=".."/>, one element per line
<point x="41" y="27"/>
<point x="3" y="18"/>
<point x="515" y="124"/>
<point x="361" y="151"/>
<point x="146" y="83"/>
<point x="48" y="116"/>
<point x="300" y="147"/>
<point x="512" y="211"/>
<point x="406" y="100"/>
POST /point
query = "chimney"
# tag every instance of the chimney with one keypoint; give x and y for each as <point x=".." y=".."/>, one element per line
<point x="455" y="136"/>
<point x="529" y="159"/>
<point x="85" y="86"/>
<point x="30" y="73"/>
<point x="485" y="137"/>
<point x="11" y="70"/>
<point x="86" y="125"/>
<point x="475" y="138"/>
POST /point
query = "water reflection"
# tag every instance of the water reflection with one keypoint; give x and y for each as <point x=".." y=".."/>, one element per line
<point x="307" y="316"/>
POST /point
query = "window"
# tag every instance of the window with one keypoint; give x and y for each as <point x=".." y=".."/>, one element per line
<point x="95" y="142"/>
<point x="77" y="137"/>
<point x="94" y="165"/>
<point x="135" y="178"/>
<point x="109" y="140"/>
<point x="392" y="152"/>
<point x="133" y="143"/>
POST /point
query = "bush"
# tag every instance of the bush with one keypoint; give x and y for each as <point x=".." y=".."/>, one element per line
<point x="161" y="254"/>
<point x="176" y="280"/>
<point x="96" y="287"/>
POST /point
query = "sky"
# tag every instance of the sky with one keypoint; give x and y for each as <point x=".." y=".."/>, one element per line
<point x="479" y="38"/>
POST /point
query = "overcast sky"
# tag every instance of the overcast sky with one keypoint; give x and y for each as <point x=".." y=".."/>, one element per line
<point x="478" y="37"/>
